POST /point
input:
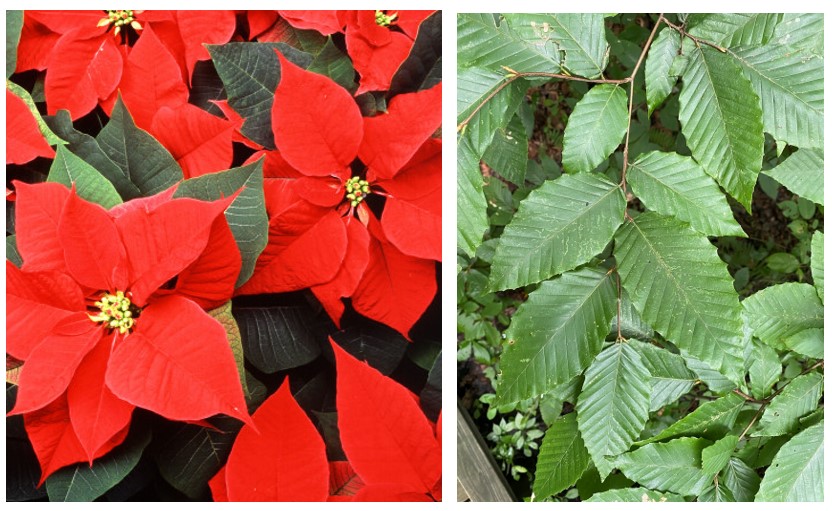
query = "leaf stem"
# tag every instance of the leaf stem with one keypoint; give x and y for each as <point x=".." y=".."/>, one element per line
<point x="692" y="37"/>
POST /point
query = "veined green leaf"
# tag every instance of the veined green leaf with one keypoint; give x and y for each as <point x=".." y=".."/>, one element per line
<point x="789" y="83"/>
<point x="716" y="381"/>
<point x="69" y="169"/>
<point x="581" y="37"/>
<point x="482" y="43"/>
<point x="634" y="495"/>
<point x="765" y="369"/>
<point x="803" y="31"/>
<point x="614" y="404"/>
<point x="798" y="398"/>
<point x="711" y="420"/>
<point x="682" y="289"/>
<point x="669" y="376"/>
<point x="14" y="25"/>
<point x="471" y="221"/>
<point x="632" y="326"/>
<point x="595" y="128"/>
<point x="734" y="29"/>
<point x="716" y="492"/>
<point x="562" y="460"/>
<point x="676" y="185"/>
<point x="487" y="102"/>
<point x="807" y="342"/>
<point x="246" y="215"/>
<point x="782" y="310"/>
<point x="48" y="134"/>
<point x="722" y="121"/>
<point x="672" y="466"/>
<point x="657" y="79"/>
<point x="145" y="162"/>
<point x="741" y="479"/>
<point x="716" y="456"/>
<point x="508" y="153"/>
<point x="796" y="473"/>
<point x="559" y="226"/>
<point x="12" y="254"/>
<point x="802" y="173"/>
<point x="556" y="333"/>
<point x="817" y="262"/>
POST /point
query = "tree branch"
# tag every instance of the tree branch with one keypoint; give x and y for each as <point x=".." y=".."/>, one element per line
<point x="692" y="37"/>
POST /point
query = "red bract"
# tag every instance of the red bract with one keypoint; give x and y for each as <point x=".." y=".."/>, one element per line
<point x="24" y="141"/>
<point x="389" y="275"/>
<point x="99" y="329"/>
<point x="86" y="65"/>
<point x="390" y="445"/>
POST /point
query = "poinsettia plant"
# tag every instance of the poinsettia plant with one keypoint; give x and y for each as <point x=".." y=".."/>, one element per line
<point x="223" y="249"/>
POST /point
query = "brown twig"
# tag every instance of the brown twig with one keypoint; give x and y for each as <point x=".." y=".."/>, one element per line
<point x="692" y="37"/>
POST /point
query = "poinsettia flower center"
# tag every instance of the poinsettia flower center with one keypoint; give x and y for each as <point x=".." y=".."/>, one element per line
<point x="385" y="20"/>
<point x="116" y="312"/>
<point x="120" y="19"/>
<point x="357" y="190"/>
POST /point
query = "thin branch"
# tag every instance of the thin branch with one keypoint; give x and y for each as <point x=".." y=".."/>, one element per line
<point x="692" y="37"/>
<point x="753" y="420"/>
<point x="632" y="80"/>
<point x="573" y="78"/>
<point x="618" y="277"/>
<point x="488" y="98"/>
<point x="747" y="397"/>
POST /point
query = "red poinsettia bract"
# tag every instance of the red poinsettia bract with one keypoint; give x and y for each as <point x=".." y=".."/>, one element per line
<point x="24" y="140"/>
<point x="100" y="326"/>
<point x="385" y="265"/>
<point x="390" y="445"/>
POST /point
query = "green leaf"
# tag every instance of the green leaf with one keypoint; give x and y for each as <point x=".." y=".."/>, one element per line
<point x="676" y="185"/>
<point x="87" y="148"/>
<point x="614" y="404"/>
<point x="734" y="29"/>
<point x="223" y="315"/>
<point x="803" y="31"/>
<point x="765" y="369"/>
<point x="657" y="78"/>
<point x="562" y="459"/>
<point x="556" y="333"/>
<point x="670" y="379"/>
<point x="69" y="169"/>
<point x="780" y="311"/>
<point x="14" y="25"/>
<point x="667" y="268"/>
<point x="508" y="153"/>
<point x="722" y="121"/>
<point x="145" y="162"/>
<point x="278" y="337"/>
<point x="672" y="466"/>
<point x="595" y="128"/>
<point x="716" y="492"/>
<point x="782" y="262"/>
<point x="802" y="173"/>
<point x="716" y="456"/>
<point x="559" y="226"/>
<point x="632" y="326"/>
<point x="796" y="473"/>
<point x="712" y="420"/>
<point x="251" y="72"/>
<point x="83" y="482"/>
<point x="482" y="43"/>
<point x="471" y="218"/>
<point x="716" y="381"/>
<point x="798" y="398"/>
<point x="789" y="83"/>
<point x="332" y="62"/>
<point x="807" y="342"/>
<point x="17" y="90"/>
<point x="817" y="262"/>
<point x="742" y="480"/>
<point x="12" y="254"/>
<point x="487" y="102"/>
<point x="246" y="215"/>
<point x="581" y="37"/>
<point x="634" y="495"/>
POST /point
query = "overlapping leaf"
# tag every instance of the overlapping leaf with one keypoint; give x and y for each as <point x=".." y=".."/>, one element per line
<point x="634" y="495"/>
<point x="764" y="370"/>
<point x="558" y="226"/>
<point x="69" y="170"/>
<point x="796" y="472"/>
<point x="613" y="404"/>
<point x="817" y="262"/>
<point x="508" y="153"/>
<point x="682" y="289"/>
<point x="595" y="128"/>
<point x="797" y="399"/>
<point x="657" y="79"/>
<point x="676" y="185"/>
<point x="781" y="311"/>
<point x="734" y="29"/>
<point x="741" y="479"/>
<point x="672" y="466"/>
<point x="482" y="43"/>
<point x="487" y="103"/>
<point x="556" y="333"/>
<point x="562" y="459"/>
<point x="711" y="420"/>
<point x="715" y="457"/>
<point x="722" y="121"/>
<point x="802" y="173"/>
<point x="669" y="377"/>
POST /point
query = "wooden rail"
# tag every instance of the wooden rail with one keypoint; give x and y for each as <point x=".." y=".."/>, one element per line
<point x="479" y="479"/>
